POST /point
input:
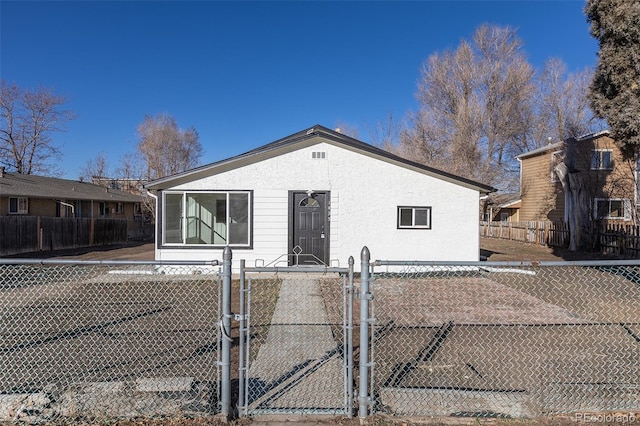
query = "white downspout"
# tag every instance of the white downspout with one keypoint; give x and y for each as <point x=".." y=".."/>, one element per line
<point x="155" y="197"/>
<point x="73" y="209"/>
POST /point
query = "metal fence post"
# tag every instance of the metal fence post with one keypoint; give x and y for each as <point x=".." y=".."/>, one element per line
<point x="349" y="321"/>
<point x="241" y="361"/>
<point x="363" y="398"/>
<point x="225" y="386"/>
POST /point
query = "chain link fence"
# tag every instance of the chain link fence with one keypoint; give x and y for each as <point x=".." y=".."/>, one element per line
<point x="94" y="340"/>
<point x="295" y="341"/>
<point x="505" y="340"/>
<point x="89" y="340"/>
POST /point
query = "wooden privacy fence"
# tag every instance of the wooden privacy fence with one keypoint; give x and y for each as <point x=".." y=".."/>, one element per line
<point x="543" y="233"/>
<point x="24" y="234"/>
<point x="607" y="238"/>
<point x="619" y="240"/>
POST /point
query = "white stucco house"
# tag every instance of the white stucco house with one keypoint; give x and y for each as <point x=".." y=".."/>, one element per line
<point x="317" y="197"/>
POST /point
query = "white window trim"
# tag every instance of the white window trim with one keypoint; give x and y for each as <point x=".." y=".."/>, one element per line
<point x="413" y="217"/>
<point x="24" y="200"/>
<point x="600" y="166"/>
<point x="626" y="205"/>
<point x="184" y="219"/>
<point x="554" y="163"/>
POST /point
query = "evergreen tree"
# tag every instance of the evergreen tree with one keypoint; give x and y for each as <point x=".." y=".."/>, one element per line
<point x="615" y="89"/>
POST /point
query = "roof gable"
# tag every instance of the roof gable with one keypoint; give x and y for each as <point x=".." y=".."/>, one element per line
<point x="560" y="145"/>
<point x="314" y="135"/>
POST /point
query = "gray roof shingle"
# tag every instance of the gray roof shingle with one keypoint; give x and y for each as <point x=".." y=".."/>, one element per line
<point x="20" y="185"/>
<point x="298" y="139"/>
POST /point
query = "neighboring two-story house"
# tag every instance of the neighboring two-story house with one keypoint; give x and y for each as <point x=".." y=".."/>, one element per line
<point x="609" y="180"/>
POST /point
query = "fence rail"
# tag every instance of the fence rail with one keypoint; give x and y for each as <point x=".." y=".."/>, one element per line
<point x="607" y="238"/>
<point x="545" y="233"/>
<point x="295" y="340"/>
<point x="108" y="340"/>
<point x="507" y="340"/>
<point x="100" y="340"/>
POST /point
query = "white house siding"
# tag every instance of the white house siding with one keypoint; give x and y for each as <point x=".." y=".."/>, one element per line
<point x="365" y="194"/>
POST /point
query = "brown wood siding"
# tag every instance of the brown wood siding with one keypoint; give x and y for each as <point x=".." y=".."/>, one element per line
<point x="615" y="183"/>
<point x="542" y="199"/>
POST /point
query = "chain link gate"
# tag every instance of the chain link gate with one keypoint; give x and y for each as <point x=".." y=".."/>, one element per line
<point x="502" y="339"/>
<point x="93" y="339"/>
<point x="296" y="340"/>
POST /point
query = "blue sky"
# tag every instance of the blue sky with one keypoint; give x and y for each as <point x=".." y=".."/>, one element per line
<point x="247" y="73"/>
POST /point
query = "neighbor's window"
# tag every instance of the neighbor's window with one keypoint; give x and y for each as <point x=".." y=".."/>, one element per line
<point x="207" y="218"/>
<point x="557" y="157"/>
<point x="601" y="159"/>
<point x="611" y="208"/>
<point x="120" y="208"/>
<point x="18" y="205"/>
<point x="414" y="217"/>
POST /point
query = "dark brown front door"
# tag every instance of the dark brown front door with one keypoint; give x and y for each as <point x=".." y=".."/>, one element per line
<point x="309" y="228"/>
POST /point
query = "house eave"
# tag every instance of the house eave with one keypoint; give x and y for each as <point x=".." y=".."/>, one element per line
<point x="315" y="135"/>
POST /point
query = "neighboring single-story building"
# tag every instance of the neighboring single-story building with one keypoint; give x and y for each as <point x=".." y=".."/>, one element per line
<point x="31" y="195"/>
<point x="317" y="196"/>
<point x="502" y="207"/>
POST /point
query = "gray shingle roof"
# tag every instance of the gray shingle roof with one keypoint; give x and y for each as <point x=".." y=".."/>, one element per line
<point x="298" y="140"/>
<point x="20" y="185"/>
<point x="559" y="145"/>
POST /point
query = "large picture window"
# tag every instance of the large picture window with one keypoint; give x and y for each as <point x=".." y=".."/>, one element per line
<point x="207" y="218"/>
<point x="414" y="217"/>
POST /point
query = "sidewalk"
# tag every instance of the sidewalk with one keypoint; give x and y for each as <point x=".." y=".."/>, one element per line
<point x="298" y="368"/>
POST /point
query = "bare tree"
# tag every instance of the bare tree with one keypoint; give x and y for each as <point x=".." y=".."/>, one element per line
<point x="475" y="105"/>
<point x="347" y="129"/>
<point x="166" y="149"/>
<point x="96" y="168"/>
<point x="562" y="104"/>
<point x="27" y="120"/>
<point x="130" y="167"/>
<point x="385" y="134"/>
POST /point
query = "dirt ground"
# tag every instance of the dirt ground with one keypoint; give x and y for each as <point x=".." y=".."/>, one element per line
<point x="134" y="251"/>
<point x="490" y="248"/>
<point x="504" y="250"/>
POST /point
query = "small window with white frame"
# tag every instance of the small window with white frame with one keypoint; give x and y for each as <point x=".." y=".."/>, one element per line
<point x="601" y="159"/>
<point x="612" y="208"/>
<point x="412" y="217"/>
<point x="18" y="205"/>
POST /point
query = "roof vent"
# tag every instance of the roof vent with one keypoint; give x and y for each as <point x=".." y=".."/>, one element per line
<point x="319" y="155"/>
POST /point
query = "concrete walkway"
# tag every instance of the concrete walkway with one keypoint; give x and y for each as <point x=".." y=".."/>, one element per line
<point x="298" y="368"/>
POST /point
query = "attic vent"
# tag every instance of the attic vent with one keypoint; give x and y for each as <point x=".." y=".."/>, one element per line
<point x="319" y="155"/>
